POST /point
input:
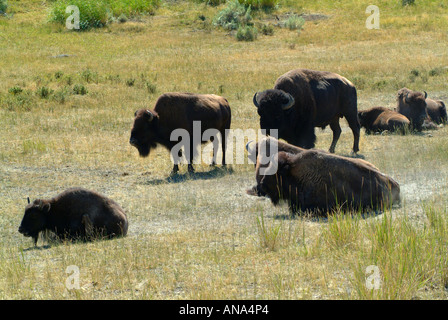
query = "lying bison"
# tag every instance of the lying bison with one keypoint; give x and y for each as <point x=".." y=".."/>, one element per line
<point x="436" y="111"/>
<point x="178" y="111"/>
<point x="319" y="181"/>
<point x="74" y="214"/>
<point x="379" y="119"/>
<point x="303" y="99"/>
<point x="412" y="104"/>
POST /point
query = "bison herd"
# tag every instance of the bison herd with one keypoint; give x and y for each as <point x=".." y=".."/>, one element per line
<point x="305" y="178"/>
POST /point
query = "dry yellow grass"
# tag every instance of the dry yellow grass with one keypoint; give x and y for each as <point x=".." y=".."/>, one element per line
<point x="203" y="238"/>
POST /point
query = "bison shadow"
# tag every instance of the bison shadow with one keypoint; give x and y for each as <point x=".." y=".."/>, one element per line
<point x="215" y="172"/>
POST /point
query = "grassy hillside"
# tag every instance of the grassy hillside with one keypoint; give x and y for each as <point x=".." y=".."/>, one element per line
<point x="67" y="101"/>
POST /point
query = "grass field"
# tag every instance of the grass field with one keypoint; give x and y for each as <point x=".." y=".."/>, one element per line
<point x="67" y="101"/>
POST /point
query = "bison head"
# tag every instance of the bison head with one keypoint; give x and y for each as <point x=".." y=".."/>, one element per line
<point x="413" y="105"/>
<point x="35" y="219"/>
<point x="272" y="106"/>
<point x="143" y="133"/>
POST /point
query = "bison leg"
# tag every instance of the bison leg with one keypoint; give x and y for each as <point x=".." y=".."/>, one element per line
<point x="191" y="157"/>
<point x="353" y="123"/>
<point x="223" y="146"/>
<point x="336" y="128"/>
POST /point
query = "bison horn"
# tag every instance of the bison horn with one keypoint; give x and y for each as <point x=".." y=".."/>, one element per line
<point x="28" y="198"/>
<point x="255" y="100"/>
<point x="289" y="104"/>
<point x="426" y="94"/>
<point x="150" y="115"/>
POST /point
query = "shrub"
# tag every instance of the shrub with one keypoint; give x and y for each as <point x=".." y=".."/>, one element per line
<point x="267" y="29"/>
<point x="92" y="13"/>
<point x="3" y="6"/>
<point x="44" y="92"/>
<point x="98" y="13"/>
<point x="233" y="16"/>
<point x="130" y="82"/>
<point x="246" y="33"/>
<point x="80" y="89"/>
<point x="15" y="90"/>
<point x="407" y="2"/>
<point x="150" y="87"/>
<point x="294" y="22"/>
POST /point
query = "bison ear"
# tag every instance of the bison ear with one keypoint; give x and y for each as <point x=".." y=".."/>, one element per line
<point x="149" y="115"/>
<point x="255" y="100"/>
<point x="289" y="103"/>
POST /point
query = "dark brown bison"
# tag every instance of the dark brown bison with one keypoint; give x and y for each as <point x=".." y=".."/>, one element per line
<point x="74" y="214"/>
<point x="412" y="104"/>
<point x="319" y="181"/>
<point x="436" y="111"/>
<point x="379" y="119"/>
<point x="178" y="111"/>
<point x="303" y="99"/>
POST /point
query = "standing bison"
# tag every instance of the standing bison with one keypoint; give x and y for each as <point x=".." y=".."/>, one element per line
<point x="74" y="214"/>
<point x="412" y="104"/>
<point x="436" y="111"/>
<point x="303" y="99"/>
<point x="319" y="181"/>
<point x="379" y="119"/>
<point x="178" y="111"/>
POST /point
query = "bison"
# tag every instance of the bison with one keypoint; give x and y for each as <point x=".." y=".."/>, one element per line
<point x="76" y="213"/>
<point x="436" y="111"/>
<point x="412" y="104"/>
<point x="178" y="111"/>
<point x="319" y="181"/>
<point x="379" y="119"/>
<point x="303" y="99"/>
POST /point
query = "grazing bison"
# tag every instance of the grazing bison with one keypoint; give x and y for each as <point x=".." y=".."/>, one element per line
<point x="412" y="104"/>
<point x="378" y="119"/>
<point x="178" y="111"/>
<point x="303" y="99"/>
<point x="319" y="181"/>
<point x="74" y="214"/>
<point x="436" y="111"/>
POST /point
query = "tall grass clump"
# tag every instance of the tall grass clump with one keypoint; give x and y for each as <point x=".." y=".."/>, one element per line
<point x="92" y="13"/>
<point x="294" y="22"/>
<point x="246" y="33"/>
<point x="3" y="6"/>
<point x="98" y="13"/>
<point x="234" y="16"/>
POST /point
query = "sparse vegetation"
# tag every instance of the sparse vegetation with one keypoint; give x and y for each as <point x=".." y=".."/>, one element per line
<point x="294" y="22"/>
<point x="200" y="236"/>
